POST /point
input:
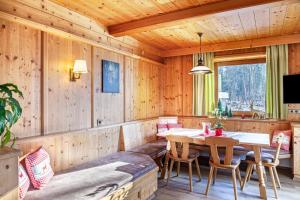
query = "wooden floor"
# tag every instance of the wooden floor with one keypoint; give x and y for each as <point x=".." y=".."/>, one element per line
<point x="178" y="188"/>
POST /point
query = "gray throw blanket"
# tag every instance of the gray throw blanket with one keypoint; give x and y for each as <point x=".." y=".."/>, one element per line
<point x="88" y="184"/>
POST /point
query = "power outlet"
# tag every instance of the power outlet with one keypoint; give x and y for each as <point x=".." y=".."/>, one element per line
<point x="99" y="122"/>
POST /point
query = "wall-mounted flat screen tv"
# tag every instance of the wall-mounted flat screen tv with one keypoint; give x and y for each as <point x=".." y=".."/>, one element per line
<point x="291" y="89"/>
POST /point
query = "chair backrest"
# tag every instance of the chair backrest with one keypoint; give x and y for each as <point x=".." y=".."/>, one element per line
<point x="279" y="140"/>
<point x="215" y="142"/>
<point x="180" y="146"/>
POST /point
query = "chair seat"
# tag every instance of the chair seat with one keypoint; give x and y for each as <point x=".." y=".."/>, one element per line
<point x="154" y="149"/>
<point x="265" y="157"/>
<point x="236" y="159"/>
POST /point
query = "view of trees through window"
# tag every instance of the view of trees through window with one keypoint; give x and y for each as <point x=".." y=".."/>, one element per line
<point x="242" y="87"/>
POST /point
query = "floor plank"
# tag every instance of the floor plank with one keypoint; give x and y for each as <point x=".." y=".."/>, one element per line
<point x="178" y="187"/>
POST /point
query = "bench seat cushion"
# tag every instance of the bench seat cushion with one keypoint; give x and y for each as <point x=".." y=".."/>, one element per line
<point x="96" y="179"/>
<point x="282" y="155"/>
<point x="153" y="149"/>
<point x="268" y="150"/>
<point x="91" y="183"/>
<point x="265" y="157"/>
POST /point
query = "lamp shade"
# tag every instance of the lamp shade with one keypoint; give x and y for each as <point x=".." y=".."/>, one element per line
<point x="200" y="68"/>
<point x="80" y="67"/>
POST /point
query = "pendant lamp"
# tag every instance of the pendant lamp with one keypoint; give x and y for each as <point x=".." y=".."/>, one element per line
<point x="200" y="68"/>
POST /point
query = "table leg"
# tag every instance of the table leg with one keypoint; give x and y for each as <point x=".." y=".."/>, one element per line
<point x="259" y="171"/>
<point x="165" y="168"/>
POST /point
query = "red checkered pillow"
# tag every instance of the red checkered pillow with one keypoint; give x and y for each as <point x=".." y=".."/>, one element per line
<point x="24" y="182"/>
<point x="162" y="128"/>
<point x="174" y="126"/>
<point x="287" y="134"/>
<point x="39" y="168"/>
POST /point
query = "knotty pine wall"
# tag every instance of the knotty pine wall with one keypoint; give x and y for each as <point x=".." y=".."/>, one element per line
<point x="176" y="86"/>
<point x="294" y="68"/>
<point x="39" y="64"/>
<point x="176" y="89"/>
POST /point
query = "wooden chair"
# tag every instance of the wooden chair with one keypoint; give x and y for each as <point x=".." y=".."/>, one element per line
<point x="180" y="151"/>
<point x="223" y="161"/>
<point x="268" y="160"/>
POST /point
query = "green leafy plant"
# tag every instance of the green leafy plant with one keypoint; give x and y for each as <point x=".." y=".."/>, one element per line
<point x="10" y="112"/>
<point x="218" y="124"/>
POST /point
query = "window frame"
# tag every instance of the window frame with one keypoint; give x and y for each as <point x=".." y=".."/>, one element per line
<point x="236" y="62"/>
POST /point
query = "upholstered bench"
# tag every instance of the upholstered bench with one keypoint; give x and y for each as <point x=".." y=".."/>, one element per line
<point x="136" y="138"/>
<point x="154" y="149"/>
<point x="102" y="178"/>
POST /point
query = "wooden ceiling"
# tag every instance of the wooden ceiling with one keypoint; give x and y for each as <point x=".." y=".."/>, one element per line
<point x="111" y="12"/>
<point x="259" y="21"/>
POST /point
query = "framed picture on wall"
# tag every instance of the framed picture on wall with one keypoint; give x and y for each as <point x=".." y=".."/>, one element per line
<point x="110" y="77"/>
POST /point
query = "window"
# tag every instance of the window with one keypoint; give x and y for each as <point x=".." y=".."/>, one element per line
<point x="242" y="87"/>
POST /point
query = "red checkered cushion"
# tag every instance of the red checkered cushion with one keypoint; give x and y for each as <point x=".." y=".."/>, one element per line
<point x="287" y="135"/>
<point x="162" y="128"/>
<point x="174" y="126"/>
<point x="24" y="182"/>
<point x="39" y="168"/>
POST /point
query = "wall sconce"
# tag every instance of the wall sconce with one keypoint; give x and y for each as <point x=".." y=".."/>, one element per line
<point x="79" y="68"/>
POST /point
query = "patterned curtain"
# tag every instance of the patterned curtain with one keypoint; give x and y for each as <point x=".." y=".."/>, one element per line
<point x="277" y="66"/>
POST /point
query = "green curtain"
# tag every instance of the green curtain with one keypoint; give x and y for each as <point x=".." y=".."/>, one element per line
<point x="277" y="66"/>
<point x="198" y="90"/>
<point x="209" y="85"/>
<point x="203" y="87"/>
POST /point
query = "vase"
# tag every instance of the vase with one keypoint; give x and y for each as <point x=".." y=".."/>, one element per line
<point x="206" y="127"/>
<point x="219" y="131"/>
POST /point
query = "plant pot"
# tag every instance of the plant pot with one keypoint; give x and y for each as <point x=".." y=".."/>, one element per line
<point x="9" y="159"/>
<point x="219" y="131"/>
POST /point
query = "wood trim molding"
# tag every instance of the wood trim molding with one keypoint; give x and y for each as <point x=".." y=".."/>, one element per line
<point x="44" y="83"/>
<point x="240" y="62"/>
<point x="244" y="56"/>
<point x="167" y="19"/>
<point x="242" y="44"/>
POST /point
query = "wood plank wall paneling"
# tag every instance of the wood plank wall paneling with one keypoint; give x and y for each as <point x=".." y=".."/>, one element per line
<point x="70" y="149"/>
<point x="68" y="103"/>
<point x="294" y="58"/>
<point x="20" y="63"/>
<point x="176" y="86"/>
<point x="139" y="133"/>
<point x="39" y="64"/>
<point x="294" y="68"/>
<point x="187" y="86"/>
<point x="142" y="91"/>
<point x="257" y="126"/>
<point x="108" y="108"/>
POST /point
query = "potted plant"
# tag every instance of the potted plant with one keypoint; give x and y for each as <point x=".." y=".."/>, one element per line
<point x="218" y="128"/>
<point x="10" y="112"/>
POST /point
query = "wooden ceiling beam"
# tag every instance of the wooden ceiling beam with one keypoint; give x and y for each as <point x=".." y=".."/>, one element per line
<point x="242" y="44"/>
<point x="240" y="56"/>
<point x="167" y="19"/>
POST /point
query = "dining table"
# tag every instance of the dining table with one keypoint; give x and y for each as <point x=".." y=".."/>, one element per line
<point x="251" y="141"/>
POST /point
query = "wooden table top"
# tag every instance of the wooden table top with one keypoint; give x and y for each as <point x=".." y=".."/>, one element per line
<point x="245" y="138"/>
